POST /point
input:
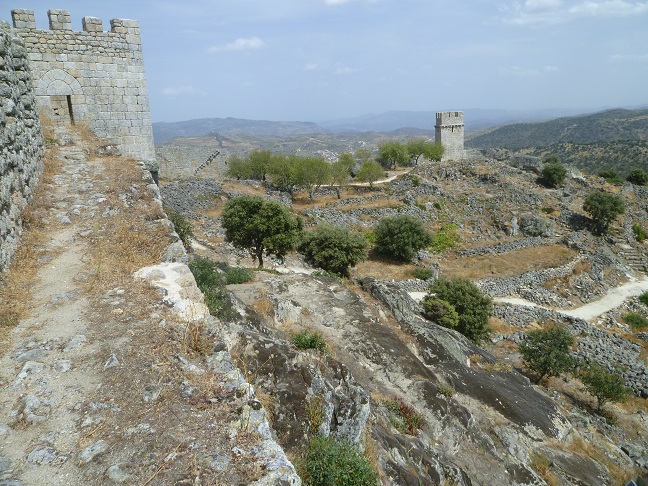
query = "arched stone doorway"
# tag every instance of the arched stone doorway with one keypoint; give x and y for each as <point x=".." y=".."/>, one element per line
<point x="60" y="95"/>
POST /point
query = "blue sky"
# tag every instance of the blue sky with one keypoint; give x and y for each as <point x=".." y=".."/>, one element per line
<point x="315" y="60"/>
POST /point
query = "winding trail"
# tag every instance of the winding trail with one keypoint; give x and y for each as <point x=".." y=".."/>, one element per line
<point x="612" y="299"/>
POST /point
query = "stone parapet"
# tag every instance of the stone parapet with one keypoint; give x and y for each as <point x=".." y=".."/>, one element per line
<point x="21" y="142"/>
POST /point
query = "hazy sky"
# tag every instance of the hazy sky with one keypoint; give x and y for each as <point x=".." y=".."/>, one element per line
<point x="315" y="60"/>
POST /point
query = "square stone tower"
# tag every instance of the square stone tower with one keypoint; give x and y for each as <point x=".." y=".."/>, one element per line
<point x="93" y="76"/>
<point x="449" y="132"/>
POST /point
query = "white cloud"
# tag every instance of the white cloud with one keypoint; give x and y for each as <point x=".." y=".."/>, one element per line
<point x="635" y="58"/>
<point x="240" y="44"/>
<point x="547" y="12"/>
<point x="183" y="91"/>
<point x="311" y="66"/>
<point x="518" y="71"/>
<point x="340" y="69"/>
<point x="551" y="69"/>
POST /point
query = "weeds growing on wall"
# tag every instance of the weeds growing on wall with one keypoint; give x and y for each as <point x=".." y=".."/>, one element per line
<point x="182" y="226"/>
<point x="212" y="284"/>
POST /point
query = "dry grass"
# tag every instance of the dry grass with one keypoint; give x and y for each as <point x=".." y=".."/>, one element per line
<point x="244" y="189"/>
<point x="384" y="268"/>
<point x="16" y="284"/>
<point x="619" y="474"/>
<point x="513" y="263"/>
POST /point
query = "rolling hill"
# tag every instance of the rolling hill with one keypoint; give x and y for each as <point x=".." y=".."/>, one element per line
<point x="606" y="126"/>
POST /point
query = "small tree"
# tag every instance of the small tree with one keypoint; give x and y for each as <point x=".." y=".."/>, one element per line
<point x="440" y="311"/>
<point x="283" y="172"/>
<point x="341" y="172"/>
<point x="417" y="147"/>
<point x="610" y="175"/>
<point x="401" y="237"/>
<point x="603" y="208"/>
<point x="392" y="153"/>
<point x="370" y="172"/>
<point x="334" y="249"/>
<point x="548" y="352"/>
<point x="474" y="307"/>
<point x="605" y="385"/>
<point x="638" y="177"/>
<point x="258" y="225"/>
<point x="553" y="172"/>
<point x="238" y="167"/>
<point x="312" y="173"/>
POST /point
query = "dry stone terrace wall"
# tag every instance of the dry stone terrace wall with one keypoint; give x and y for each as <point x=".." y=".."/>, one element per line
<point x="91" y="76"/>
<point x="21" y="142"/>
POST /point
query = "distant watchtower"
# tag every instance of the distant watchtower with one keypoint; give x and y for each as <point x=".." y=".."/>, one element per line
<point x="449" y="132"/>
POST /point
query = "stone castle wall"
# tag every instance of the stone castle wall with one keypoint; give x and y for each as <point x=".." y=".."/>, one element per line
<point x="94" y="77"/>
<point x="21" y="143"/>
<point x="449" y="131"/>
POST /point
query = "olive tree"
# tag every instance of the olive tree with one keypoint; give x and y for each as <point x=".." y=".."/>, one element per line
<point x="417" y="147"/>
<point x="603" y="207"/>
<point x="401" y="236"/>
<point x="334" y="248"/>
<point x="553" y="173"/>
<point x="473" y="307"/>
<point x="370" y="171"/>
<point x="257" y="225"/>
<point x="547" y="352"/>
<point x="605" y="385"/>
<point x="391" y="154"/>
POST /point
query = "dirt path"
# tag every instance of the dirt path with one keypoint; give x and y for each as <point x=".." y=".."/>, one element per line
<point x="612" y="299"/>
<point x="51" y="362"/>
<point x="103" y="382"/>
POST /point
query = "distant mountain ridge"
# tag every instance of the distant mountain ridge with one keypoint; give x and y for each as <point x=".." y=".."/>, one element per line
<point x="164" y="131"/>
<point x="392" y="122"/>
<point x="607" y="126"/>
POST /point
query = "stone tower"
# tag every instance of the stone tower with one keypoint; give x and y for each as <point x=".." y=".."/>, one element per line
<point x="92" y="77"/>
<point x="449" y="132"/>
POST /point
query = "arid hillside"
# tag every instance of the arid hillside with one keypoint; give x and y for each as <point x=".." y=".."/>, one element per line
<point x="423" y="403"/>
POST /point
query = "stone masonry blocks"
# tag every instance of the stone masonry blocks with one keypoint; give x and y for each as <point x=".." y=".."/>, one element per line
<point x="449" y="132"/>
<point x="21" y="142"/>
<point x="96" y="70"/>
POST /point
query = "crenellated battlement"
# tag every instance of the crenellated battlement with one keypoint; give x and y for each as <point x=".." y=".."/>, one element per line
<point x="91" y="76"/>
<point x="62" y="20"/>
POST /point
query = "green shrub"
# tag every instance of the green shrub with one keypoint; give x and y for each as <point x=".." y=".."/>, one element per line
<point x="336" y="463"/>
<point x="439" y="205"/>
<point x="445" y="389"/>
<point x="553" y="172"/>
<point x="212" y="284"/>
<point x="610" y="176"/>
<point x="445" y="238"/>
<point x="423" y="273"/>
<point x="640" y="233"/>
<point x="638" y="177"/>
<point x="401" y="237"/>
<point x="238" y="275"/>
<point x="306" y="339"/>
<point x="547" y="210"/>
<point x="441" y="312"/>
<point x="636" y="320"/>
<point x="403" y="416"/>
<point x="181" y="226"/>
<point x="326" y="273"/>
<point x="334" y="248"/>
<point x="643" y="298"/>
<point x="474" y="307"/>
<point x="205" y="272"/>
